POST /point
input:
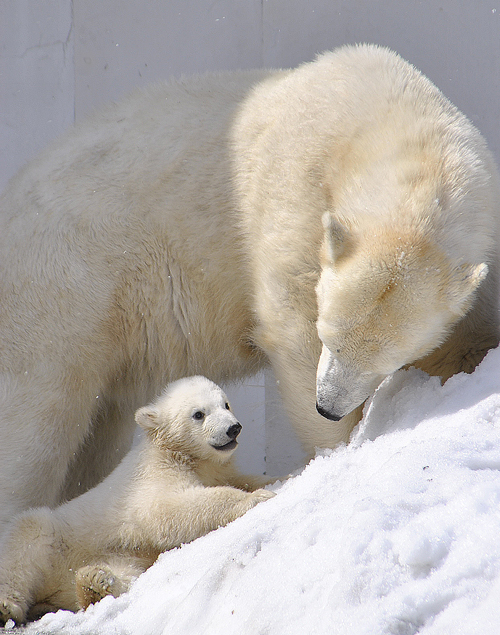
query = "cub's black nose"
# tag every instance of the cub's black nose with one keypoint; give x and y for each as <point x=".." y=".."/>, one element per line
<point x="234" y="431"/>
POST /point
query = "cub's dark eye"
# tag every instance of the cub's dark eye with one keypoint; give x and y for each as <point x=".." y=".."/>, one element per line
<point x="199" y="415"/>
<point x="226" y="405"/>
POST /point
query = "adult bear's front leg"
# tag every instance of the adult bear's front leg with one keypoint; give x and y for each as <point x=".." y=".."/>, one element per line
<point x="40" y="433"/>
<point x="296" y="377"/>
<point x="288" y="335"/>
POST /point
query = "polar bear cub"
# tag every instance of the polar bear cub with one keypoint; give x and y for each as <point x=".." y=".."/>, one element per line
<point x="177" y="484"/>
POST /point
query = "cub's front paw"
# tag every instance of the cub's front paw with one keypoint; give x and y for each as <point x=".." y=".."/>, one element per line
<point x="260" y="495"/>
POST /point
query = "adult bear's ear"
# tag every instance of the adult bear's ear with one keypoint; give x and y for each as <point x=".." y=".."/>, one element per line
<point x="337" y="239"/>
<point x="467" y="279"/>
<point x="147" y="418"/>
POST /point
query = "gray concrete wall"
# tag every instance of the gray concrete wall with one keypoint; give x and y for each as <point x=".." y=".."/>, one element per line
<point x="59" y="59"/>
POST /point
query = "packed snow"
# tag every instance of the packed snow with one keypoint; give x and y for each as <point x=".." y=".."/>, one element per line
<point x="397" y="533"/>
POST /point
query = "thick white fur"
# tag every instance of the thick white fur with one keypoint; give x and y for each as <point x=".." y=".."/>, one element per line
<point x="180" y="232"/>
<point x="178" y="484"/>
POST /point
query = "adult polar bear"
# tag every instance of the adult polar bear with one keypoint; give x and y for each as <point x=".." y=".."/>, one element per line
<point x="185" y="231"/>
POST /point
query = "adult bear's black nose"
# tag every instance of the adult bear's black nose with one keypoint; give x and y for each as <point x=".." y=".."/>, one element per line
<point x="234" y="430"/>
<point x="327" y="414"/>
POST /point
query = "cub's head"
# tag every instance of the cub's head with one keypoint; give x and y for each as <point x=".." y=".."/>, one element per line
<point x="384" y="301"/>
<point x="192" y="416"/>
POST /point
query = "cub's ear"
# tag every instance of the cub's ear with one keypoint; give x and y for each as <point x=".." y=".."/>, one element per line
<point x="337" y="239"/>
<point x="147" y="418"/>
<point x="467" y="279"/>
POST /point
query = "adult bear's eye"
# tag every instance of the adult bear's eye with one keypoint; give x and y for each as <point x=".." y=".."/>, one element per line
<point x="227" y="406"/>
<point x="199" y="415"/>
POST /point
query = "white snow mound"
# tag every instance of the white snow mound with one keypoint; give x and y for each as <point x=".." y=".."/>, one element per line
<point x="397" y="533"/>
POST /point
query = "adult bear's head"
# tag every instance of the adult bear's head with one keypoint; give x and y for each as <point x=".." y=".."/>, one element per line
<point x="386" y="298"/>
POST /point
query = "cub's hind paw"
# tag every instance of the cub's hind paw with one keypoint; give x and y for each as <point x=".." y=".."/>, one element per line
<point x="95" y="582"/>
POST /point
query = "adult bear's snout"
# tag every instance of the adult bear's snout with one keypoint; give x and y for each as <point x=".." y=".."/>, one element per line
<point x="327" y="414"/>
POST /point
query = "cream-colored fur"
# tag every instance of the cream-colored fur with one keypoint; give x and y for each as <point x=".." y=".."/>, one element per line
<point x="177" y="485"/>
<point x="180" y="232"/>
<point x="370" y="207"/>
